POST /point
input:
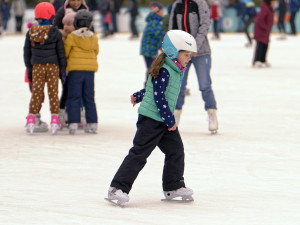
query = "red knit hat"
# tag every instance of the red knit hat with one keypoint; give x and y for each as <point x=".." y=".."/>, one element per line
<point x="44" y="11"/>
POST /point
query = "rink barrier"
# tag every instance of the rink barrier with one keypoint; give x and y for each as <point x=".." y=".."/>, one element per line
<point x="230" y="21"/>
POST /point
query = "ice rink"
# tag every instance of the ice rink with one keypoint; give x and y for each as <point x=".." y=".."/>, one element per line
<point x="247" y="174"/>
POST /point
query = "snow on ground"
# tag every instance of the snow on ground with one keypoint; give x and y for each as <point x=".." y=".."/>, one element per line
<point x="246" y="174"/>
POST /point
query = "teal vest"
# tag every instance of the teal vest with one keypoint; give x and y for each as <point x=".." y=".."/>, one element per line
<point x="148" y="107"/>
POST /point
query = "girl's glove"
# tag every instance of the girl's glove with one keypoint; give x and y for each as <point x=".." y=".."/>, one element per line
<point x="63" y="76"/>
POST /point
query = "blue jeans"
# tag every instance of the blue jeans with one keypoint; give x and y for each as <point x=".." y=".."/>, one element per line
<point x="202" y="66"/>
<point x="81" y="87"/>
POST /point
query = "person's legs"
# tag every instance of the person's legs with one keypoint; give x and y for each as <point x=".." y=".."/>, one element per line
<point x="52" y="84"/>
<point x="148" y="135"/>
<point x="181" y="96"/>
<point x="74" y="96"/>
<point x="171" y="145"/>
<point x="292" y="23"/>
<point x="89" y="97"/>
<point x="202" y="66"/>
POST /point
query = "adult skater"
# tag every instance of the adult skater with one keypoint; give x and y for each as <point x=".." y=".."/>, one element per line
<point x="156" y="124"/>
<point x="192" y="16"/>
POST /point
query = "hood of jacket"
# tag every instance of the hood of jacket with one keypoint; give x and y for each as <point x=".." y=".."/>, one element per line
<point x="38" y="33"/>
<point x="83" y="33"/>
<point x="153" y="16"/>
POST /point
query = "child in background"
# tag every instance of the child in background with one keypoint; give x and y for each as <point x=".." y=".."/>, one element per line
<point x="248" y="17"/>
<point x="39" y="126"/>
<point x="153" y="34"/>
<point x="44" y="56"/>
<point x="262" y="28"/>
<point x="68" y="22"/>
<point x="215" y="14"/>
<point x="156" y="124"/>
<point x="81" y="49"/>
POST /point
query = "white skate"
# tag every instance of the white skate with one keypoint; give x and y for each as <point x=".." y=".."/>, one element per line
<point x="91" y="128"/>
<point x="62" y="118"/>
<point x="183" y="194"/>
<point x="117" y="197"/>
<point x="55" y="125"/>
<point x="212" y="120"/>
<point x="39" y="125"/>
<point x="73" y="128"/>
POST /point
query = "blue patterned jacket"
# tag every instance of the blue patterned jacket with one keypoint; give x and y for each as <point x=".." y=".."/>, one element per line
<point x="152" y="36"/>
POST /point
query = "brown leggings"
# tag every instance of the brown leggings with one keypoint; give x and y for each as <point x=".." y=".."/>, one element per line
<point x="40" y="74"/>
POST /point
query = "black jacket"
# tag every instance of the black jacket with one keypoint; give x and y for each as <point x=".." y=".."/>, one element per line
<point x="51" y="51"/>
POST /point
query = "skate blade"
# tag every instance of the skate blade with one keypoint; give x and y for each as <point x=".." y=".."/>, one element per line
<point x="178" y="200"/>
<point x="115" y="203"/>
<point x="213" y="131"/>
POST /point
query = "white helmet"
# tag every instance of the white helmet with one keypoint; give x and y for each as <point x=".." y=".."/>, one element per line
<point x="176" y="40"/>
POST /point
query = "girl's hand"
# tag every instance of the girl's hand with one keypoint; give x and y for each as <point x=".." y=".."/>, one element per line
<point x="173" y="128"/>
<point x="133" y="100"/>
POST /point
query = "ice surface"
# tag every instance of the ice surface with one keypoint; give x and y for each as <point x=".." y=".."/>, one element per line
<point x="247" y="174"/>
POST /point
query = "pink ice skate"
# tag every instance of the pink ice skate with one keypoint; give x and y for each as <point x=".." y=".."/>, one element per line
<point x="30" y="123"/>
<point x="55" y="125"/>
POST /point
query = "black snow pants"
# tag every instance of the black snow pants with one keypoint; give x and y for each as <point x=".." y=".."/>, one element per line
<point x="151" y="133"/>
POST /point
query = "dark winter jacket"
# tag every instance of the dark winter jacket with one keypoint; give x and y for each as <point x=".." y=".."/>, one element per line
<point x="263" y="23"/>
<point x="152" y="36"/>
<point x="5" y="9"/>
<point x="192" y="16"/>
<point x="44" y="47"/>
<point x="60" y="15"/>
<point x="133" y="8"/>
<point x="294" y="6"/>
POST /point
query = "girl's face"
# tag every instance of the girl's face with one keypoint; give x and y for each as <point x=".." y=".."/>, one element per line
<point x="69" y="27"/>
<point x="184" y="57"/>
<point x="75" y="4"/>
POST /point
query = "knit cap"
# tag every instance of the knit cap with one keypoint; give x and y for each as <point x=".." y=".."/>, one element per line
<point x="155" y="7"/>
<point x="69" y="16"/>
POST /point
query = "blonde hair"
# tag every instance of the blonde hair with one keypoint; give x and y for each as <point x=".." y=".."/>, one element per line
<point x="157" y="64"/>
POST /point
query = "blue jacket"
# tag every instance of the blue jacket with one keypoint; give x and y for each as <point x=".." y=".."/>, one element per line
<point x="4" y="7"/>
<point x="152" y="36"/>
<point x="294" y="6"/>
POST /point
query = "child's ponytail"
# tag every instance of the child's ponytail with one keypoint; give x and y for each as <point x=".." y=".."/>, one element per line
<point x="157" y="64"/>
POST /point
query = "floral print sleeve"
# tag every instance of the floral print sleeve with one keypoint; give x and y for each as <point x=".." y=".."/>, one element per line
<point x="159" y="88"/>
<point x="139" y="95"/>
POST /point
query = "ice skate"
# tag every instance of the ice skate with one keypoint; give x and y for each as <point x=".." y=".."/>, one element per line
<point x="39" y="125"/>
<point x="266" y="64"/>
<point x="82" y="118"/>
<point x="55" y="125"/>
<point x="73" y="128"/>
<point x="248" y="45"/>
<point x="62" y="118"/>
<point x="30" y="123"/>
<point x="183" y="194"/>
<point x="91" y="128"/>
<point x="177" y="114"/>
<point x="258" y="64"/>
<point x="117" y="197"/>
<point x="212" y="120"/>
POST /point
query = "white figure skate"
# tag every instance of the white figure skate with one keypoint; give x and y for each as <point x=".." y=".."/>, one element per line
<point x="183" y="194"/>
<point x="73" y="128"/>
<point x="91" y="128"/>
<point x="212" y="120"/>
<point x="39" y="125"/>
<point x="117" y="197"/>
